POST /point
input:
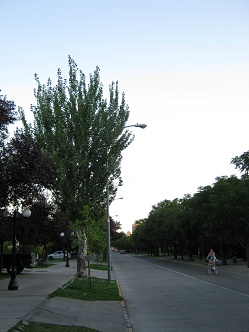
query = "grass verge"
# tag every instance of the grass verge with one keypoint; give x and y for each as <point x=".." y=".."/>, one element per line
<point x="4" y="276"/>
<point x="44" y="327"/>
<point x="99" y="266"/>
<point x="89" y="289"/>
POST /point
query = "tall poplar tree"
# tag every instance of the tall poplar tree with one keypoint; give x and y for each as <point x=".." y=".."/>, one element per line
<point x="83" y="133"/>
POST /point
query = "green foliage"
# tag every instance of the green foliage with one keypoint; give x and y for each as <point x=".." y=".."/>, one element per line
<point x="97" y="236"/>
<point x="242" y="162"/>
<point x="217" y="214"/>
<point x="8" y="115"/>
<point x="43" y="226"/>
<point x="81" y="132"/>
<point x="125" y="242"/>
<point x="95" y="231"/>
<point x="7" y="247"/>
<point x="25" y="169"/>
<point x="141" y="237"/>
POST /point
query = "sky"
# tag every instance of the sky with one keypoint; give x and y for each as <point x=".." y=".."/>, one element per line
<point x="182" y="64"/>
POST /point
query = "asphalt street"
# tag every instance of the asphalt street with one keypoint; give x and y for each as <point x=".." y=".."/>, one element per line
<point x="164" y="295"/>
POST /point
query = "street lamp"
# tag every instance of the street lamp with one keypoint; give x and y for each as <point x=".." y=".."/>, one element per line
<point x="13" y="285"/>
<point x="67" y="259"/>
<point x="139" y="125"/>
<point x="142" y="126"/>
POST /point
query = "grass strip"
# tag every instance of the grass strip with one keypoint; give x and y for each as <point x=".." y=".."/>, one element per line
<point x="4" y="276"/>
<point x="44" y="327"/>
<point x="99" y="266"/>
<point x="94" y="289"/>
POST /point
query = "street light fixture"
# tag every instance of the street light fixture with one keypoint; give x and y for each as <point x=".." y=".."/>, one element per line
<point x="142" y="126"/>
<point x="13" y="285"/>
<point x="139" y="125"/>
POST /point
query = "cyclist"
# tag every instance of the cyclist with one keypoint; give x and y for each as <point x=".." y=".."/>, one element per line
<point x="211" y="257"/>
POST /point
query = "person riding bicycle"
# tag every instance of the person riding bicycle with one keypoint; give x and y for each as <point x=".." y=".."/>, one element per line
<point x="211" y="257"/>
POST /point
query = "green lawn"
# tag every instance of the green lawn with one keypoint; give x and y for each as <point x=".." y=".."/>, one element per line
<point x="90" y="289"/>
<point x="99" y="266"/>
<point x="4" y="276"/>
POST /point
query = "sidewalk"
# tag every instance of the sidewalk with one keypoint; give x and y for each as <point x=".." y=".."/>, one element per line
<point x="30" y="303"/>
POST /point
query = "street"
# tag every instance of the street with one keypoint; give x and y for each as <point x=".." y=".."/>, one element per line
<point x="164" y="295"/>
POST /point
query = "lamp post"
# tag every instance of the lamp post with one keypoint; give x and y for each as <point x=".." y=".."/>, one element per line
<point x="13" y="285"/>
<point x="142" y="126"/>
<point x="67" y="259"/>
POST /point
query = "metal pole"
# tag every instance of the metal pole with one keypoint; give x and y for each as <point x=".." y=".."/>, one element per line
<point x="107" y="209"/>
<point x="67" y="261"/>
<point x="108" y="231"/>
<point x="13" y="285"/>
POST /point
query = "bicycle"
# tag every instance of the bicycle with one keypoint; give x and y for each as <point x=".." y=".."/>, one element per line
<point x="212" y="268"/>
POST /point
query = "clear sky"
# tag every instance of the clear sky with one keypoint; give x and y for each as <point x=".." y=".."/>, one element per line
<point x="183" y="65"/>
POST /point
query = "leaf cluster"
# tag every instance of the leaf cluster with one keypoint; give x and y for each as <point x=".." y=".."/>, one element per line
<point x="25" y="176"/>
<point x="25" y="172"/>
<point x="8" y="115"/>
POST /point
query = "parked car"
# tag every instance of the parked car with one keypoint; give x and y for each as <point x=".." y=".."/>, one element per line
<point x="122" y="252"/>
<point x="60" y="254"/>
<point x="22" y="261"/>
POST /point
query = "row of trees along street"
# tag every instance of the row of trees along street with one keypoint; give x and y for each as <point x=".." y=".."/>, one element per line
<point x="216" y="216"/>
<point x="57" y="166"/>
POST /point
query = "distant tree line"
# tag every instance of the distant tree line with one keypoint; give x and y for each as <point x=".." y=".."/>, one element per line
<point x="216" y="216"/>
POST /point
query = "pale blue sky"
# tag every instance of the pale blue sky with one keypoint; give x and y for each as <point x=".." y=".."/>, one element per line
<point x="183" y="65"/>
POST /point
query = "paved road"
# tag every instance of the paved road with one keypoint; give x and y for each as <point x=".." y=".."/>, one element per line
<point x="165" y="296"/>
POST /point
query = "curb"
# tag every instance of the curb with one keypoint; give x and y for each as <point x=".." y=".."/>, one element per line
<point x="127" y="319"/>
<point x="126" y="316"/>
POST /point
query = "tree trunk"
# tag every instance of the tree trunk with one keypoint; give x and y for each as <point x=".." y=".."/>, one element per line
<point x="224" y="254"/>
<point x="175" y="250"/>
<point x="247" y="254"/>
<point x="43" y="253"/>
<point x="190" y="255"/>
<point x="82" y="254"/>
<point x="1" y="258"/>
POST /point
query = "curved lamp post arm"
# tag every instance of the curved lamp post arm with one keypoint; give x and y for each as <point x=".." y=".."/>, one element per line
<point x="138" y="125"/>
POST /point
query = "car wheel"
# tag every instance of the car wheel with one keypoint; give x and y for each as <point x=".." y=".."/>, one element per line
<point x="50" y="258"/>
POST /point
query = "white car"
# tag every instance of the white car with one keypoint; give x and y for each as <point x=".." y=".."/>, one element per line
<point x="60" y="254"/>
